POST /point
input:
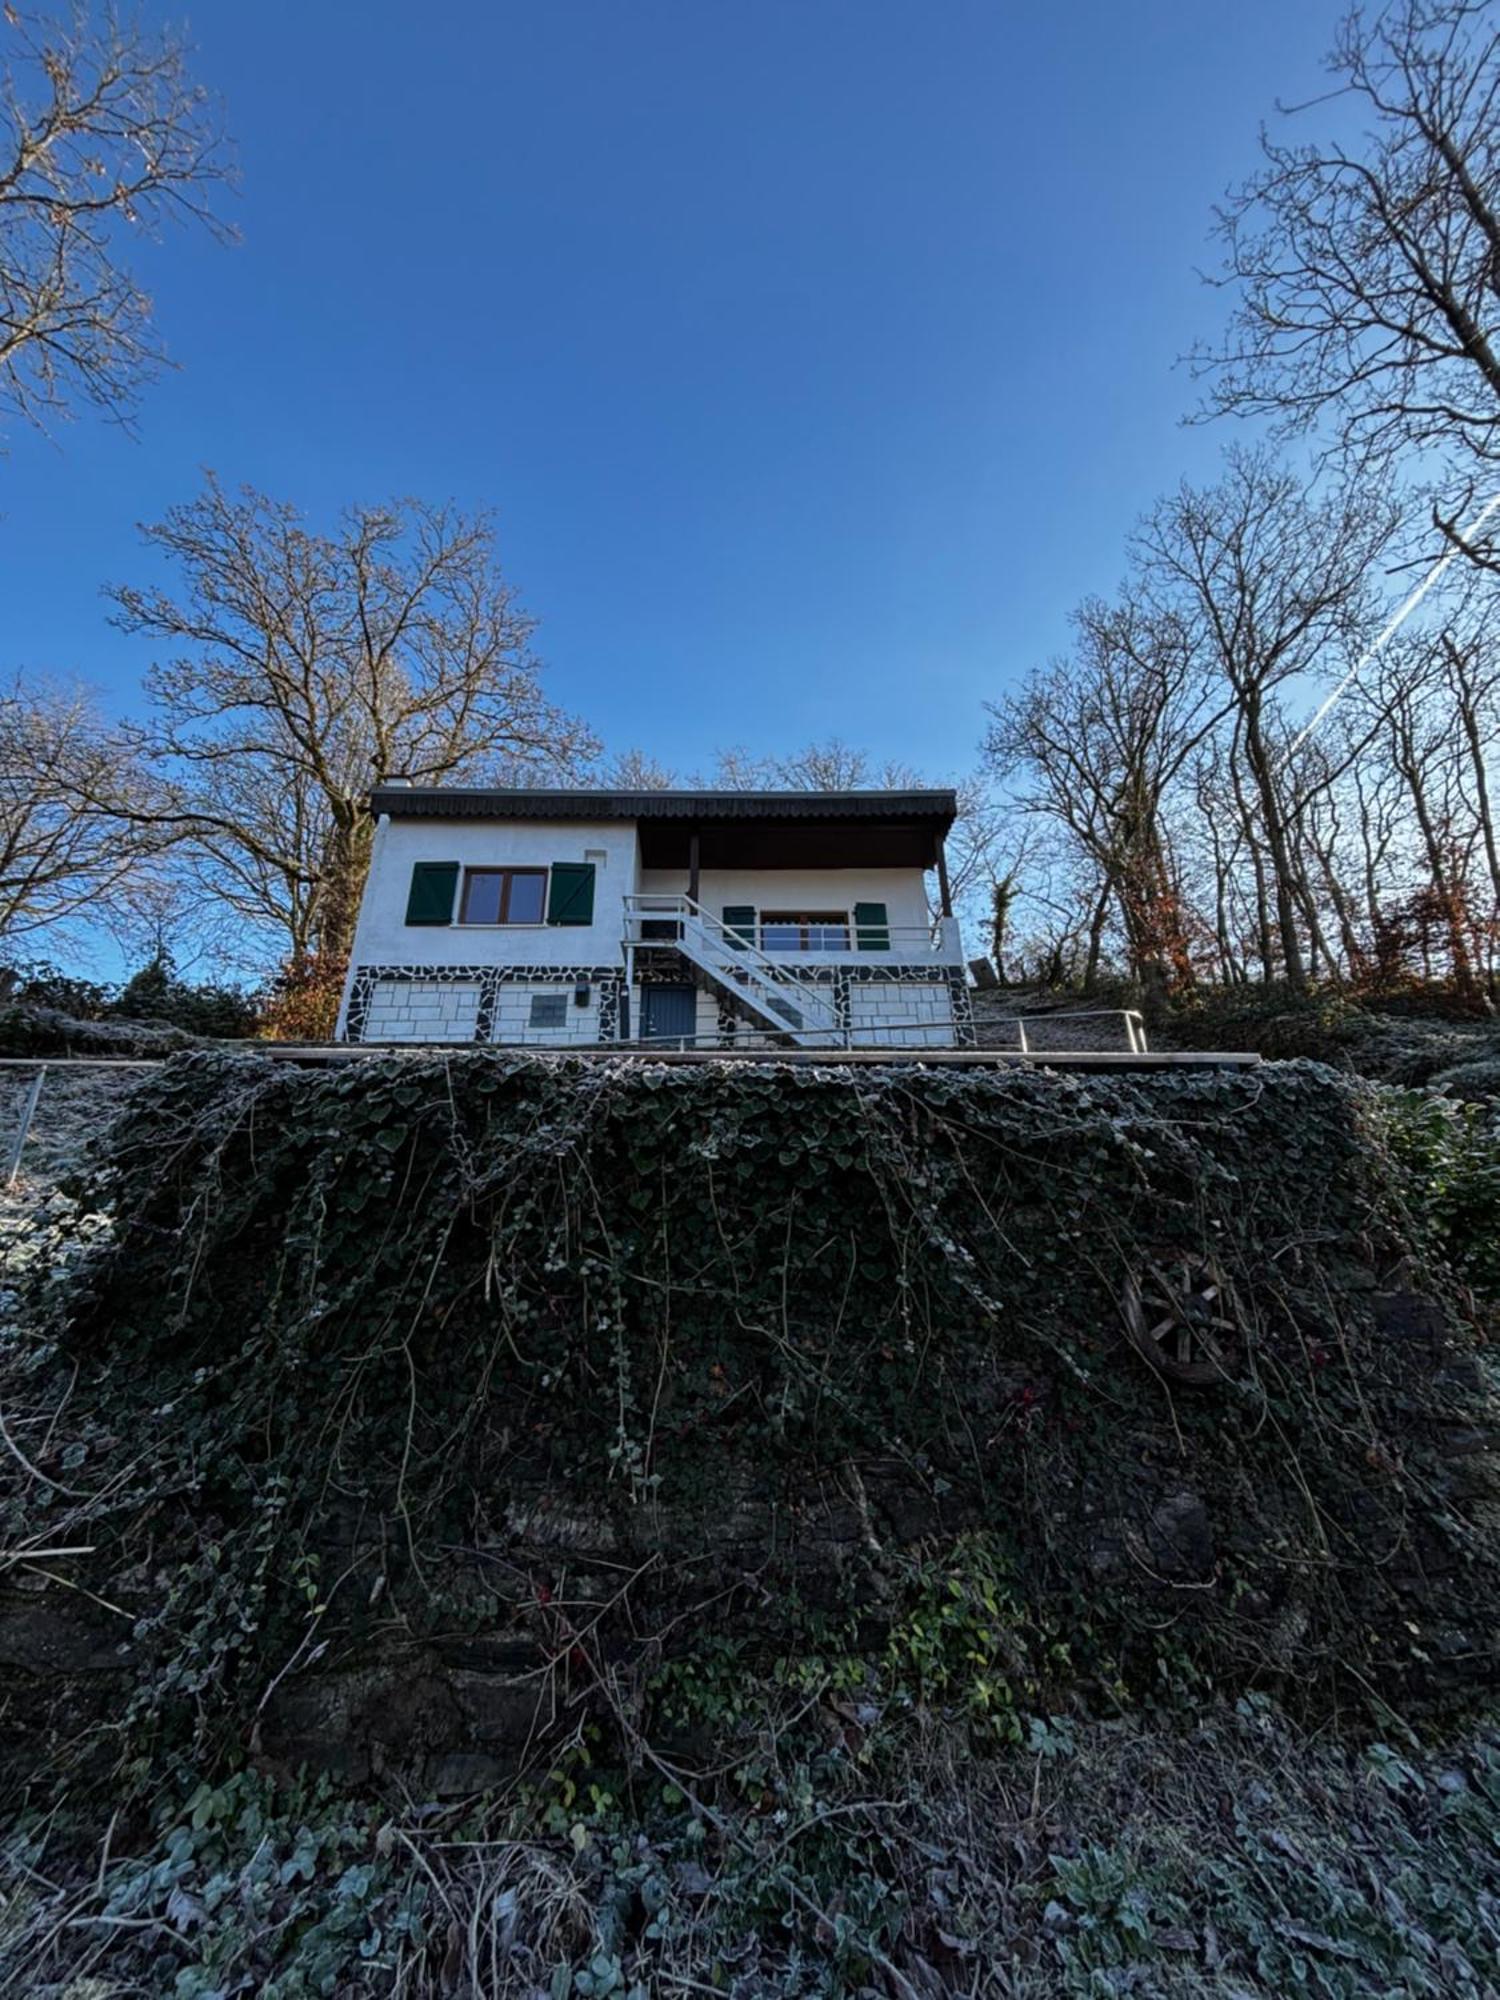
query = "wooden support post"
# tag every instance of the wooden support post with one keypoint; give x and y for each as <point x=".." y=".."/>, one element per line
<point x="943" y="890"/>
<point x="693" y="865"/>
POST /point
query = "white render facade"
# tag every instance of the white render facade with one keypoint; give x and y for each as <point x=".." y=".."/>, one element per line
<point x="656" y="919"/>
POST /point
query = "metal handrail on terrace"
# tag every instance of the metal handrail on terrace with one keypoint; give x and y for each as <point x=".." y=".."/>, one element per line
<point x="663" y="905"/>
<point x="829" y="1038"/>
<point x="873" y="1036"/>
<point x="1135" y="1026"/>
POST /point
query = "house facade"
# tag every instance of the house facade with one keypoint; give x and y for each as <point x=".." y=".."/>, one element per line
<point x="657" y="919"/>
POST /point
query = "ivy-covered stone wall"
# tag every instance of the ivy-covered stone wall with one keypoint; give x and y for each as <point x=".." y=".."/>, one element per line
<point x="415" y="1410"/>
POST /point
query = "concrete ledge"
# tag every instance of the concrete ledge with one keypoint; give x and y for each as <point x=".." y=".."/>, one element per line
<point x="1056" y="1059"/>
<point x="334" y="1052"/>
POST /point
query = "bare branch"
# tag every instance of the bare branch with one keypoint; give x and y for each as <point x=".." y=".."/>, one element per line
<point x="104" y="138"/>
<point x="304" y="668"/>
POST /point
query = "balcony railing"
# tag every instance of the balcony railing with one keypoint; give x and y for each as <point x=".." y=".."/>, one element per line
<point x="657" y="919"/>
<point x="835" y="941"/>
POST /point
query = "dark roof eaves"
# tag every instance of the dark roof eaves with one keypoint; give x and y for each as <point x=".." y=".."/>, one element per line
<point x="484" y="802"/>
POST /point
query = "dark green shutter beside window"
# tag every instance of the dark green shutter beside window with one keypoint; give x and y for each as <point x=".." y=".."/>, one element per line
<point x="571" y="900"/>
<point x="430" y="898"/>
<point x="872" y="931"/>
<point x="739" y="921"/>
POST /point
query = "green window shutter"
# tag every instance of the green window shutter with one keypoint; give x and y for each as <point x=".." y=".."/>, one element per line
<point x="739" y="921"/>
<point x="872" y="929"/>
<point x="571" y="897"/>
<point x="433" y="887"/>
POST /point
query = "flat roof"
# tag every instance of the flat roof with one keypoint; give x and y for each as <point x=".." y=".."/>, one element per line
<point x="937" y="808"/>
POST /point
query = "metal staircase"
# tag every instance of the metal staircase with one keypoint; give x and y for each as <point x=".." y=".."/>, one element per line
<point x="780" y="999"/>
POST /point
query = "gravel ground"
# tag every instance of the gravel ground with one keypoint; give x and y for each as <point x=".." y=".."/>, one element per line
<point x="76" y="1104"/>
<point x="1051" y="1023"/>
<point x="42" y="1229"/>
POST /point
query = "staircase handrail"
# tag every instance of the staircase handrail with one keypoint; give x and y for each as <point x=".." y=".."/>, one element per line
<point x="742" y="950"/>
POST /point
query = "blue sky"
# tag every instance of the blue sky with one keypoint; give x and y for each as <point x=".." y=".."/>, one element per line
<point x="815" y="355"/>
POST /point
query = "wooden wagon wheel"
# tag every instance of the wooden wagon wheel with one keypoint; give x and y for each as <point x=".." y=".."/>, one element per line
<point x="1182" y="1317"/>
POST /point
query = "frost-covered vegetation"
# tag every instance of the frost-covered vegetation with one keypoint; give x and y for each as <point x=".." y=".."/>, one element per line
<point x="592" y="1529"/>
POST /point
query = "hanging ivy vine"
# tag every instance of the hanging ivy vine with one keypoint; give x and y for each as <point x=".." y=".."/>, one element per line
<point x="627" y="1385"/>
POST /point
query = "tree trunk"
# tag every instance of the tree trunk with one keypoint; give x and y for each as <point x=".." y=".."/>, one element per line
<point x="1283" y="871"/>
<point x="344" y="872"/>
<point x="1096" y="939"/>
<point x="1264" y="940"/>
<point x="1475" y="741"/>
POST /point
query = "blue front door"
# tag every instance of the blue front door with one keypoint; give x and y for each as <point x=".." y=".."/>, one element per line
<point x="669" y="1015"/>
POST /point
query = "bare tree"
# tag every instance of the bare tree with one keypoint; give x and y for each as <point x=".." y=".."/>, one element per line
<point x="634" y="771"/>
<point x="1471" y="678"/>
<point x="836" y="766"/>
<point x="64" y="780"/>
<point x="1233" y="877"/>
<point x="1272" y="586"/>
<point x="1367" y="271"/>
<point x="830" y="766"/>
<point x="103" y="136"/>
<point x="165" y="911"/>
<point x="1096" y="741"/>
<point x="1439" y="887"/>
<point x="306" y="668"/>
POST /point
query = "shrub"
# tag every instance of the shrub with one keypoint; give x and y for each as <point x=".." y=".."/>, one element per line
<point x="768" y="1432"/>
<point x="1450" y="1155"/>
<point x="43" y="1032"/>
<point x="44" y="1005"/>
<point x="1270" y="1020"/>
<point x="155" y="993"/>
<point x="1330" y="1028"/>
<point x="1476" y="1081"/>
<point x="42" y="984"/>
<point x="303" y="1002"/>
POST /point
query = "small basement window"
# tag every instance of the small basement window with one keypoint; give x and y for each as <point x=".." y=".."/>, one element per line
<point x="549" y="1010"/>
<point x="504" y="895"/>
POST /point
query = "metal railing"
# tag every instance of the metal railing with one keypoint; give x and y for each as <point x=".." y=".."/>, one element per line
<point x="664" y="908"/>
<point x="734" y="962"/>
<point x="904" y="938"/>
<point x="752" y="1038"/>
<point x="1135" y="1027"/>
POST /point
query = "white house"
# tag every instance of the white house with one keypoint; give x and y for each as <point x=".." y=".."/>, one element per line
<point x="659" y="918"/>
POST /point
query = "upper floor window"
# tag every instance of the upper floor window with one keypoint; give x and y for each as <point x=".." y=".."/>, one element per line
<point x="503" y="896"/>
<point x="804" y="930"/>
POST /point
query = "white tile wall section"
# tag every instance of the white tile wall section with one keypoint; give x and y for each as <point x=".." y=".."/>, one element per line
<point x="409" y="1010"/>
<point x="900" y="1015"/>
<point x="446" y="1010"/>
<point x="512" y="1023"/>
<point x="882" y="1013"/>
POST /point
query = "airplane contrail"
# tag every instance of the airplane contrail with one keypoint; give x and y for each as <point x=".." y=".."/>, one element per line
<point x="1394" y="624"/>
